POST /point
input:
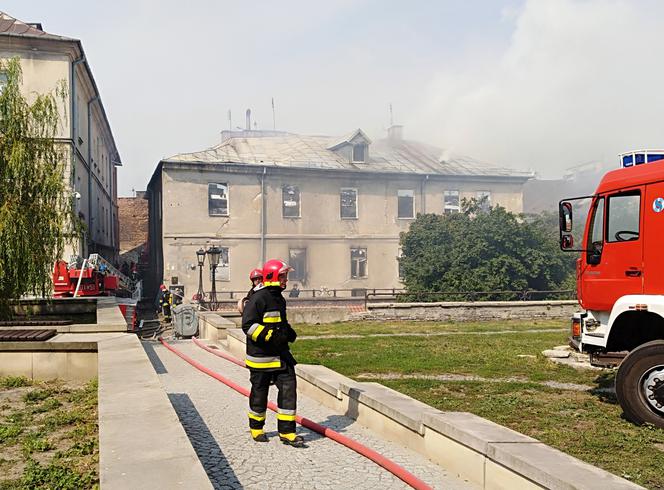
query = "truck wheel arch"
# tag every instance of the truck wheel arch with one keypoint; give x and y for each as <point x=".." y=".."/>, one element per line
<point x="633" y="328"/>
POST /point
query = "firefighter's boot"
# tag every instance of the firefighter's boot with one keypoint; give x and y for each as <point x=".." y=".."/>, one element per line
<point x="258" y="435"/>
<point x="292" y="439"/>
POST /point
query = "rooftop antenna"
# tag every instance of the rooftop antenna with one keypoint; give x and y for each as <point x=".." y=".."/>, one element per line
<point x="230" y="121"/>
<point x="391" y="115"/>
<point x="274" y="121"/>
<point x="248" y="122"/>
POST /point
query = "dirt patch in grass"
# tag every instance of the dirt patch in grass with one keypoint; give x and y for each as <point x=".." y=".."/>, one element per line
<point x="48" y="435"/>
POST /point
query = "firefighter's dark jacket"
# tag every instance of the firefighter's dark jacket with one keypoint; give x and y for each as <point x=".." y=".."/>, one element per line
<point x="267" y="329"/>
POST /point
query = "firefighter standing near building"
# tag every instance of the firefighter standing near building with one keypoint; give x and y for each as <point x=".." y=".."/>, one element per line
<point x="269" y="359"/>
<point x="165" y="301"/>
<point x="256" y="277"/>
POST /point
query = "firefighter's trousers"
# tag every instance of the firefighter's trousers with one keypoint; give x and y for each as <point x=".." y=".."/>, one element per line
<point x="286" y="398"/>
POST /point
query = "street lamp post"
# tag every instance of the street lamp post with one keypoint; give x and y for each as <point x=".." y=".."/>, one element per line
<point x="200" y="255"/>
<point x="214" y="252"/>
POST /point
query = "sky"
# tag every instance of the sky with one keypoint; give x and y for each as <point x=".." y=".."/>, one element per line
<point x="540" y="85"/>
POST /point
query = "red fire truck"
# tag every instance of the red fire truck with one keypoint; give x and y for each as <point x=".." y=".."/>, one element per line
<point x="620" y="280"/>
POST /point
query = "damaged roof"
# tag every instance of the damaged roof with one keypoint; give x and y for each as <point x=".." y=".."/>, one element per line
<point x="295" y="151"/>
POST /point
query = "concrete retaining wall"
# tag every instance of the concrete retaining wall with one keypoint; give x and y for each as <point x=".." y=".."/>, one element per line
<point x="470" y="311"/>
<point x="212" y="326"/>
<point x="330" y="311"/>
<point x="488" y="454"/>
<point x="141" y="441"/>
<point x="69" y="361"/>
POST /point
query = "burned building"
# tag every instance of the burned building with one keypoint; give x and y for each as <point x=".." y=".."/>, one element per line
<point x="333" y="208"/>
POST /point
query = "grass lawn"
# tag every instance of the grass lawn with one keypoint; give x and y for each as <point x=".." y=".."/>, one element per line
<point x="387" y="327"/>
<point x="48" y="435"/>
<point x="586" y="424"/>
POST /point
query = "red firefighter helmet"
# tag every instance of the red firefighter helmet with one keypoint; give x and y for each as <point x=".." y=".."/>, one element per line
<point x="255" y="274"/>
<point x="271" y="271"/>
<point x="162" y="287"/>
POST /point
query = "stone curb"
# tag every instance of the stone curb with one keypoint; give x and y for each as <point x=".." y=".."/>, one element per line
<point x="477" y="449"/>
<point x="141" y="441"/>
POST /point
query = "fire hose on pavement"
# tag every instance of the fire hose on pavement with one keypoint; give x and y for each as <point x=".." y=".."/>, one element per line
<point x="379" y="459"/>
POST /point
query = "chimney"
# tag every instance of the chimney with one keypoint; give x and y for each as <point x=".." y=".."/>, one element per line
<point x="248" y="127"/>
<point x="395" y="132"/>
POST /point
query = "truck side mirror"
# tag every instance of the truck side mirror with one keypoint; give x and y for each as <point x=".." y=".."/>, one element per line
<point x="567" y="242"/>
<point x="565" y="216"/>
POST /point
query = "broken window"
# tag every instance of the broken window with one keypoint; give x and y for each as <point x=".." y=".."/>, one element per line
<point x="348" y="203"/>
<point x="358" y="263"/>
<point x="223" y="271"/>
<point x="297" y="259"/>
<point x="290" y="201"/>
<point x="406" y="204"/>
<point x="451" y="202"/>
<point x="218" y="199"/>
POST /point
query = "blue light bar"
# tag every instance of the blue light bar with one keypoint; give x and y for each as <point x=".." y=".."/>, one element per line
<point x="639" y="157"/>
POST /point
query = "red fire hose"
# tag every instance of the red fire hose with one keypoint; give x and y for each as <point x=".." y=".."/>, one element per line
<point x="389" y="465"/>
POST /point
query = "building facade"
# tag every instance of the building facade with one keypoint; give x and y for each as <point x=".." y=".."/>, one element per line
<point x="333" y="208"/>
<point x="85" y="133"/>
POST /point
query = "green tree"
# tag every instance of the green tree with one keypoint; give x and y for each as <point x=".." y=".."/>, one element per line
<point x="482" y="249"/>
<point x="36" y="212"/>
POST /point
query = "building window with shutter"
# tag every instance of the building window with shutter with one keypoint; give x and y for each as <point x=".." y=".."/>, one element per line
<point x="358" y="263"/>
<point x="290" y="201"/>
<point x="348" y="199"/>
<point x="297" y="259"/>
<point x="406" y="204"/>
<point x="451" y="202"/>
<point x="218" y="199"/>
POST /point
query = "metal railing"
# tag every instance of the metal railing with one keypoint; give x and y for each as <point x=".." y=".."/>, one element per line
<point x="470" y="296"/>
<point x="227" y="300"/>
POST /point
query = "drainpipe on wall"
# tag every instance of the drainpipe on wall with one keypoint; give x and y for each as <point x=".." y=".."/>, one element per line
<point x="72" y="123"/>
<point x="263" y="217"/>
<point x="90" y="102"/>
<point x="423" y="194"/>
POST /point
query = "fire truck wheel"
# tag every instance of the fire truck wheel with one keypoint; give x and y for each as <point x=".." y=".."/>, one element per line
<point x="640" y="384"/>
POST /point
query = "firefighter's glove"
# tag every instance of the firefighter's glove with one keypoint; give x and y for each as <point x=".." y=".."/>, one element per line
<point x="292" y="334"/>
<point x="279" y="338"/>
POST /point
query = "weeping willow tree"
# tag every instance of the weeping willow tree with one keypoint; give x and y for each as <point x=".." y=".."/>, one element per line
<point x="36" y="212"/>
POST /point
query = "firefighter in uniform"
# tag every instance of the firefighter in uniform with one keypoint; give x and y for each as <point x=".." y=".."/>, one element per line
<point x="269" y="359"/>
<point x="165" y="301"/>
<point x="256" y="277"/>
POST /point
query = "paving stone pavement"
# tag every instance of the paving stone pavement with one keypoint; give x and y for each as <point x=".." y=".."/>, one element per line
<point x="215" y="418"/>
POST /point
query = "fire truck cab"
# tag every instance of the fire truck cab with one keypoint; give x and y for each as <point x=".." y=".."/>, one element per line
<point x="620" y="280"/>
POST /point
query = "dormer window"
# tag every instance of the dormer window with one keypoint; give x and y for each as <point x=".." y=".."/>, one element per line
<point x="354" y="147"/>
<point x="359" y="152"/>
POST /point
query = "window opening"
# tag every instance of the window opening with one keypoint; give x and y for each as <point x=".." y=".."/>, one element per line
<point x="348" y="198"/>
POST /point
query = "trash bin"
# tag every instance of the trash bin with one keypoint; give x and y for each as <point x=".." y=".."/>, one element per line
<point x="185" y="320"/>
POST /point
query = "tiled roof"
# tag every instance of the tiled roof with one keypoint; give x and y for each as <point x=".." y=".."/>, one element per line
<point x="279" y="149"/>
<point x="13" y="27"/>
